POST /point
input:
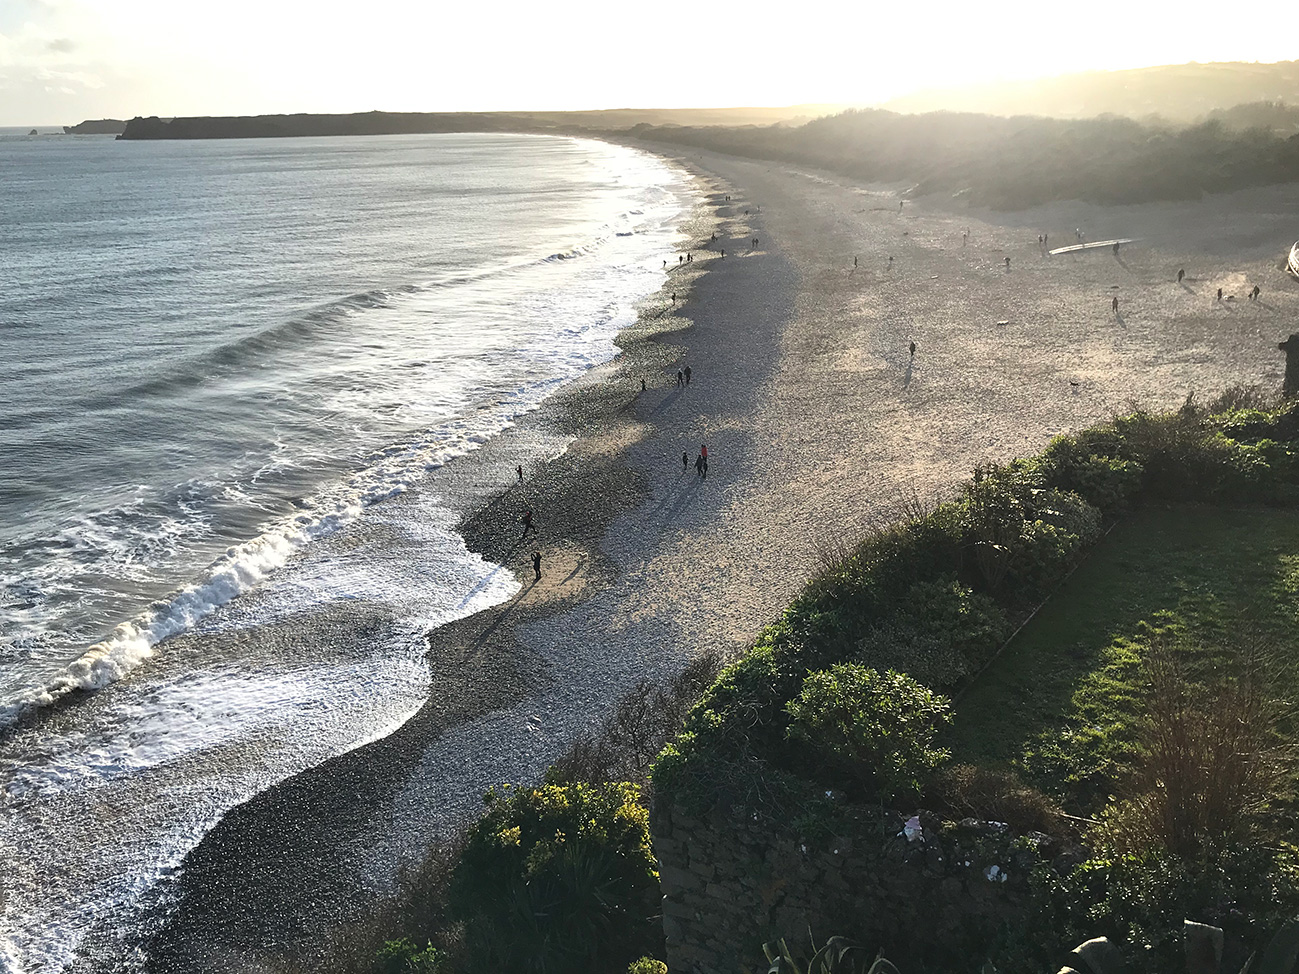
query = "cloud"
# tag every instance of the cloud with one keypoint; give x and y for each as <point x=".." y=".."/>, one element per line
<point x="61" y="45"/>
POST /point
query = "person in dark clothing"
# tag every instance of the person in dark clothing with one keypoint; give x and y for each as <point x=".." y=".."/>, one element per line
<point x="685" y="461"/>
<point x="913" y="349"/>
<point x="536" y="564"/>
<point x="1180" y="274"/>
<point x="699" y="466"/>
<point x="854" y="263"/>
<point x="687" y="375"/>
<point x="642" y="384"/>
<point x="519" y="471"/>
<point x="1219" y="294"/>
<point x="527" y="524"/>
<point x="681" y="378"/>
<point x="1115" y="304"/>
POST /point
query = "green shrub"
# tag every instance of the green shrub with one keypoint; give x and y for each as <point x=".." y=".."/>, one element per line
<point x="941" y="633"/>
<point x="1040" y="557"/>
<point x="877" y="727"/>
<point x="559" y="879"/>
<point x="1144" y="899"/>
<point x="1105" y="482"/>
<point x="403" y="957"/>
<point x="647" y="965"/>
<point x="1069" y="512"/>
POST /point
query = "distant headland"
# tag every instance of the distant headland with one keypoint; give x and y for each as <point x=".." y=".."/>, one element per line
<point x="410" y="123"/>
<point x="98" y="126"/>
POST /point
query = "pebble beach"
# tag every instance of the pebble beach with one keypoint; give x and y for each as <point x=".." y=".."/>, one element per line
<point x="820" y="422"/>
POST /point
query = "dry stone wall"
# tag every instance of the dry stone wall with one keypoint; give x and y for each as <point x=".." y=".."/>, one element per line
<point x="732" y="883"/>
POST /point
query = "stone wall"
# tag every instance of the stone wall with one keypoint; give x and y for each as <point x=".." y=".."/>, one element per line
<point x="731" y="884"/>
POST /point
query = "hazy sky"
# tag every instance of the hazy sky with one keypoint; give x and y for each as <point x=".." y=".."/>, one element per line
<point x="65" y="60"/>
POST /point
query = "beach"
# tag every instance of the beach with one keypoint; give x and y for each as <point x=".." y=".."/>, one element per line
<point x="820" y="423"/>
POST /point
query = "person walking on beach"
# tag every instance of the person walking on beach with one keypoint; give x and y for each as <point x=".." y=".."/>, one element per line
<point x="965" y="237"/>
<point x="519" y="471"/>
<point x="703" y="458"/>
<point x="723" y="251"/>
<point x="890" y="263"/>
<point x="854" y="263"/>
<point x="687" y="375"/>
<point x="1007" y="263"/>
<point x="913" y="349"/>
<point x="1253" y="295"/>
<point x="699" y="467"/>
<point x="674" y="297"/>
<point x="681" y="378"/>
<point x="685" y="461"/>
<point x="1219" y="294"/>
<point x="536" y="564"/>
<point x="1180" y="274"/>
<point x="642" y="383"/>
<point x="527" y="524"/>
<point x="688" y="258"/>
<point x="1115" y="304"/>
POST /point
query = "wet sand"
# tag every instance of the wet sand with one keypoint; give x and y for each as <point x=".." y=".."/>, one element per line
<point x="818" y="422"/>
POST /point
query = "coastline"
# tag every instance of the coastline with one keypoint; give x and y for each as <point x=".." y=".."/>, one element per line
<point x="818" y="424"/>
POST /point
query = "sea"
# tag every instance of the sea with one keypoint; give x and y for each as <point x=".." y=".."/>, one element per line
<point x="228" y="370"/>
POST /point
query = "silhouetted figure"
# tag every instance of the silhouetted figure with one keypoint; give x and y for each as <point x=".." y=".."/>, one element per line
<point x="1180" y="274"/>
<point x="687" y="375"/>
<point x="1253" y="295"/>
<point x="1115" y="304"/>
<point x="689" y="258"/>
<point x="913" y="349"/>
<point x="1291" y="348"/>
<point x="723" y="251"/>
<point x="527" y="524"/>
<point x="699" y="466"/>
<point x="1116" y="250"/>
<point x="1219" y="294"/>
<point x="680" y="259"/>
<point x="685" y="461"/>
<point x="1045" y="237"/>
<point x="755" y="243"/>
<point x="519" y="471"/>
<point x="536" y="564"/>
<point x="890" y="263"/>
<point x="1007" y="263"/>
<point x="703" y="458"/>
<point x="854" y="263"/>
<point x="674" y="297"/>
<point x="642" y="384"/>
<point x="681" y="378"/>
<point x="900" y="203"/>
<point x="965" y="237"/>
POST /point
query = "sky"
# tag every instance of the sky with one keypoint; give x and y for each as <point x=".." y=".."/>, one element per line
<point x="62" y="61"/>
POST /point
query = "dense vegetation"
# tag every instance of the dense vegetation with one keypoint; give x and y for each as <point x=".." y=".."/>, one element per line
<point x="1179" y="734"/>
<point x="1013" y="163"/>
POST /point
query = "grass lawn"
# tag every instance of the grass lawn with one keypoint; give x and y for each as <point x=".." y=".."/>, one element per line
<point x="1062" y="702"/>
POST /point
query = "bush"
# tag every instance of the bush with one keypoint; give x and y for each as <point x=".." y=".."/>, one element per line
<point x="1105" y="482"/>
<point x="647" y="965"/>
<point x="403" y="957"/>
<point x="559" y="879"/>
<point x="942" y="633"/>
<point x="877" y="727"/>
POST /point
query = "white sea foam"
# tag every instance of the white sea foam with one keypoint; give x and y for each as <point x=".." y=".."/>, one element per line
<point x="314" y="561"/>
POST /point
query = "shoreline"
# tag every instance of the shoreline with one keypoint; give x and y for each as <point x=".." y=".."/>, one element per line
<point x="818" y="425"/>
<point x="477" y="665"/>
